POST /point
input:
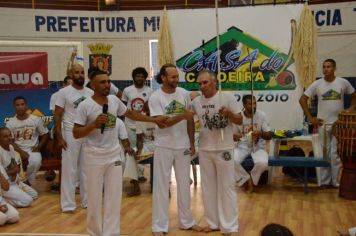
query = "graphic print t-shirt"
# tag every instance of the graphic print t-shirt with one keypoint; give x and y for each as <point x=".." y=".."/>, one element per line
<point x="330" y="97"/>
<point x="164" y="104"/>
<point x="207" y="110"/>
<point x="135" y="99"/>
<point x="26" y="132"/>
<point x="69" y="98"/>
<point x="87" y="113"/>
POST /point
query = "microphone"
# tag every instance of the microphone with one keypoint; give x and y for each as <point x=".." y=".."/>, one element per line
<point x="105" y="111"/>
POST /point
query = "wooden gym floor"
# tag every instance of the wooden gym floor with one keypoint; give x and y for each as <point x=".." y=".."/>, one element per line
<point x="321" y="212"/>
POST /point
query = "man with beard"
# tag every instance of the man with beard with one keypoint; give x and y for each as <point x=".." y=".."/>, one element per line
<point x="103" y="154"/>
<point x="173" y="147"/>
<point x="29" y="136"/>
<point x="217" y="112"/>
<point x="136" y="97"/>
<point x="67" y="101"/>
<point x="251" y="142"/>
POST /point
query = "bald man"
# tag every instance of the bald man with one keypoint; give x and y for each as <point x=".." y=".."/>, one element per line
<point x="67" y="101"/>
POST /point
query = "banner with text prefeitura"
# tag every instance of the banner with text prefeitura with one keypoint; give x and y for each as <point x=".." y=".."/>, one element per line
<point x="60" y="24"/>
<point x="254" y="45"/>
<point x="119" y="39"/>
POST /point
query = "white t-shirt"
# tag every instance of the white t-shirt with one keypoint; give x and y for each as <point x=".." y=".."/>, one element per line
<point x="7" y="155"/>
<point x="113" y="89"/>
<point x="135" y="98"/>
<point x="164" y="104"/>
<point x="260" y="123"/>
<point x="26" y="132"/>
<point x="121" y="129"/>
<point x="87" y="113"/>
<point x="3" y="172"/>
<point x="207" y="110"/>
<point x="52" y="101"/>
<point x="330" y="97"/>
<point x="69" y="98"/>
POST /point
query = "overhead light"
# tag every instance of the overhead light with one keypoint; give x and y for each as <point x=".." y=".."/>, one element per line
<point x="110" y="2"/>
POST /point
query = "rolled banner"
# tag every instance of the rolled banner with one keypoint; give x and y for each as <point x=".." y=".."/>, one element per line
<point x="130" y="168"/>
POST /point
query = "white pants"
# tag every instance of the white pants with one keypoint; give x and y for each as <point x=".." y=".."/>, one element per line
<point x="20" y="194"/>
<point x="132" y="136"/>
<point x="34" y="164"/>
<point x="218" y="188"/>
<point x="103" y="173"/>
<point x="260" y="160"/>
<point x="329" y="175"/>
<point x="11" y="216"/>
<point x="163" y="161"/>
<point x="72" y="163"/>
<point x="352" y="231"/>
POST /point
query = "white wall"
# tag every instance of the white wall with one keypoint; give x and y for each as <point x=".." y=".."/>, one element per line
<point x="336" y="24"/>
<point x="336" y="30"/>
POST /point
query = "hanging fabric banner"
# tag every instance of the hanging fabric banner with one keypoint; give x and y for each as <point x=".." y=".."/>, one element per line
<point x="23" y="70"/>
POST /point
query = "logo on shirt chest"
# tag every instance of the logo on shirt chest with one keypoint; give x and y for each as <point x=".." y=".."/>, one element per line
<point x="174" y="107"/>
<point x="137" y="104"/>
<point x="78" y="101"/>
<point x="24" y="134"/>
<point x="331" y="95"/>
<point x="212" y="119"/>
<point x="111" y="123"/>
